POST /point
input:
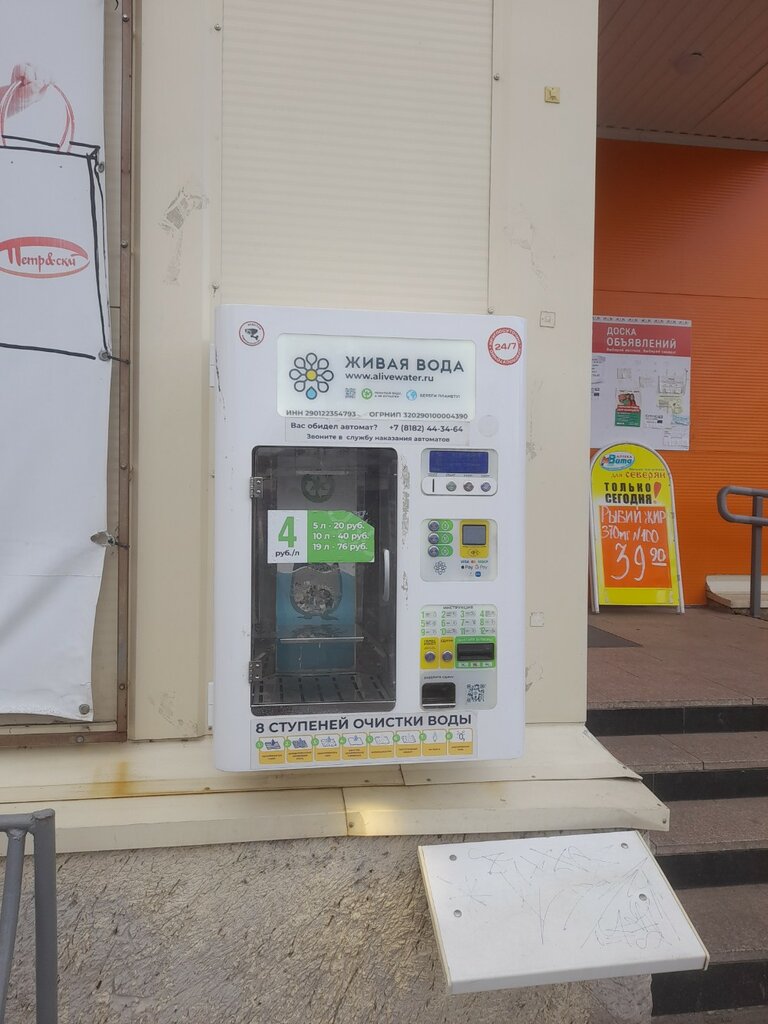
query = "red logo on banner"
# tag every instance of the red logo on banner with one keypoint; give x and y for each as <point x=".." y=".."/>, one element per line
<point x="505" y="346"/>
<point x="39" y="256"/>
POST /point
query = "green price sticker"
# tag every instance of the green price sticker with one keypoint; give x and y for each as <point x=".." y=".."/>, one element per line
<point x="339" y="537"/>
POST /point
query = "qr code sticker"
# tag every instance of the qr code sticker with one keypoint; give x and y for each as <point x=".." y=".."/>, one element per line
<point x="350" y="392"/>
<point x="476" y="693"/>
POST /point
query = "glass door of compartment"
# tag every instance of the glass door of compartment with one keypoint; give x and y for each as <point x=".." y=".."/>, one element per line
<point x="324" y="553"/>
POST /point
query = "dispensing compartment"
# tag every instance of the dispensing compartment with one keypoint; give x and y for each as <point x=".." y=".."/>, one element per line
<point x="324" y="550"/>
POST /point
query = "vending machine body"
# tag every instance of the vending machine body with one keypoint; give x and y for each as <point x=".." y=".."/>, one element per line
<point x="369" y="543"/>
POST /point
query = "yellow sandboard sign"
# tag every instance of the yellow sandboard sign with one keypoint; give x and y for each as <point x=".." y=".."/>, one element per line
<point x="635" y="558"/>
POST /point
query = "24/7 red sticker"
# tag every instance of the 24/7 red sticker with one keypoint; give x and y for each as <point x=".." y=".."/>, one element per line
<point x="505" y="346"/>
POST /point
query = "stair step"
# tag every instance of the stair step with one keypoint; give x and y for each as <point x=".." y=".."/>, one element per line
<point x="722" y="987"/>
<point x="741" y="1015"/>
<point x="688" y="752"/>
<point x="655" y="721"/>
<point x="723" y="785"/>
<point x="732" y="921"/>
<point x="733" y="924"/>
<point x="716" y="867"/>
<point x="697" y="766"/>
<point x="698" y="826"/>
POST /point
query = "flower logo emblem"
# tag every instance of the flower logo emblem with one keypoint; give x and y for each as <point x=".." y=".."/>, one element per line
<point x="311" y="375"/>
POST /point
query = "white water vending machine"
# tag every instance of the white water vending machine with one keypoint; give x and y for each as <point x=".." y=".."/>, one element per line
<point x="369" y="537"/>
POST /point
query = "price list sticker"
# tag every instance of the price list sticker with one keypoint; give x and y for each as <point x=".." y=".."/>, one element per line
<point x="295" y="535"/>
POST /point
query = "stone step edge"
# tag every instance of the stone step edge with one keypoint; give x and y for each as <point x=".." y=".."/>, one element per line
<point x="737" y="1015"/>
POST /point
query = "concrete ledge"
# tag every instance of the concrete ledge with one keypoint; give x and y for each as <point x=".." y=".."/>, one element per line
<point x="505" y="807"/>
<point x="148" y="822"/>
<point x="733" y="591"/>
<point x="136" y="795"/>
<point x="169" y="767"/>
<point x="487" y="807"/>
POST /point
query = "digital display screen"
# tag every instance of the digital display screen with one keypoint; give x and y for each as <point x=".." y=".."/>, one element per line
<point x="474" y="534"/>
<point x="459" y="463"/>
<point x="475" y="652"/>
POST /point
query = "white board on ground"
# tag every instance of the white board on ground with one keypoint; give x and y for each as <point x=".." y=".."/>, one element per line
<point x="518" y="912"/>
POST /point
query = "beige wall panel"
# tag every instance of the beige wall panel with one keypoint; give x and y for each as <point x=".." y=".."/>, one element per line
<point x="542" y="227"/>
<point x="357" y="170"/>
<point x="356" y="153"/>
<point x="179" y="49"/>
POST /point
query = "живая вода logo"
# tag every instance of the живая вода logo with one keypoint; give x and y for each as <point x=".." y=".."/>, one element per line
<point x="311" y="376"/>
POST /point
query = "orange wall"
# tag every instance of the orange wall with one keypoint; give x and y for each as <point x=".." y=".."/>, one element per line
<point x="682" y="231"/>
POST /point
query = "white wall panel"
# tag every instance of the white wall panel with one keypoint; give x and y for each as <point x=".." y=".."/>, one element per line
<point x="356" y="147"/>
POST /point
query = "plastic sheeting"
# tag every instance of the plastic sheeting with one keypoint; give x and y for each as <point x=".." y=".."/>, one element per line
<point x="55" y="365"/>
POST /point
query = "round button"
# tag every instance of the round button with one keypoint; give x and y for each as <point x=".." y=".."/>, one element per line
<point x="485" y="487"/>
<point x="469" y="486"/>
<point x="447" y="656"/>
<point x="433" y="525"/>
<point x="433" y="552"/>
<point x="430" y="656"/>
<point x="450" y="486"/>
<point x="433" y="538"/>
<point x="477" y="574"/>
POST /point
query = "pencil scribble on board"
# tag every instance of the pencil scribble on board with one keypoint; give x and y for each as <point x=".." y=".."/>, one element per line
<point x="565" y="891"/>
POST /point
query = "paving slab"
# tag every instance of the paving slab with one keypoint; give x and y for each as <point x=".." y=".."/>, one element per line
<point x="702" y="825"/>
<point x="650" y="754"/>
<point x="732" y="921"/>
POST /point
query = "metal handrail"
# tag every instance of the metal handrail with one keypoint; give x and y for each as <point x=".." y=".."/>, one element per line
<point x="41" y="825"/>
<point x="757" y="521"/>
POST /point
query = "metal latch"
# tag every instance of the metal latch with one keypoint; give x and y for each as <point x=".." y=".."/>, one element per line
<point x="257" y="486"/>
<point x="254" y="672"/>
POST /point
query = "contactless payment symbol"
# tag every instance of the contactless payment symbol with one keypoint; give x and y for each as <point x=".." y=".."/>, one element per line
<point x="505" y="346"/>
<point x="251" y="333"/>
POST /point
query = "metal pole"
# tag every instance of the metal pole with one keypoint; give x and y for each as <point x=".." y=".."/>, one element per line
<point x="756" y="568"/>
<point x="46" y="944"/>
<point x="9" y="912"/>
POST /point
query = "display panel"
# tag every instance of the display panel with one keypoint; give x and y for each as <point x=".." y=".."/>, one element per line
<point x="458" y="462"/>
<point x="474" y="533"/>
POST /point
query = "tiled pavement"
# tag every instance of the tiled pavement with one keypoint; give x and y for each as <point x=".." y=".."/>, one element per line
<point x="705" y="656"/>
